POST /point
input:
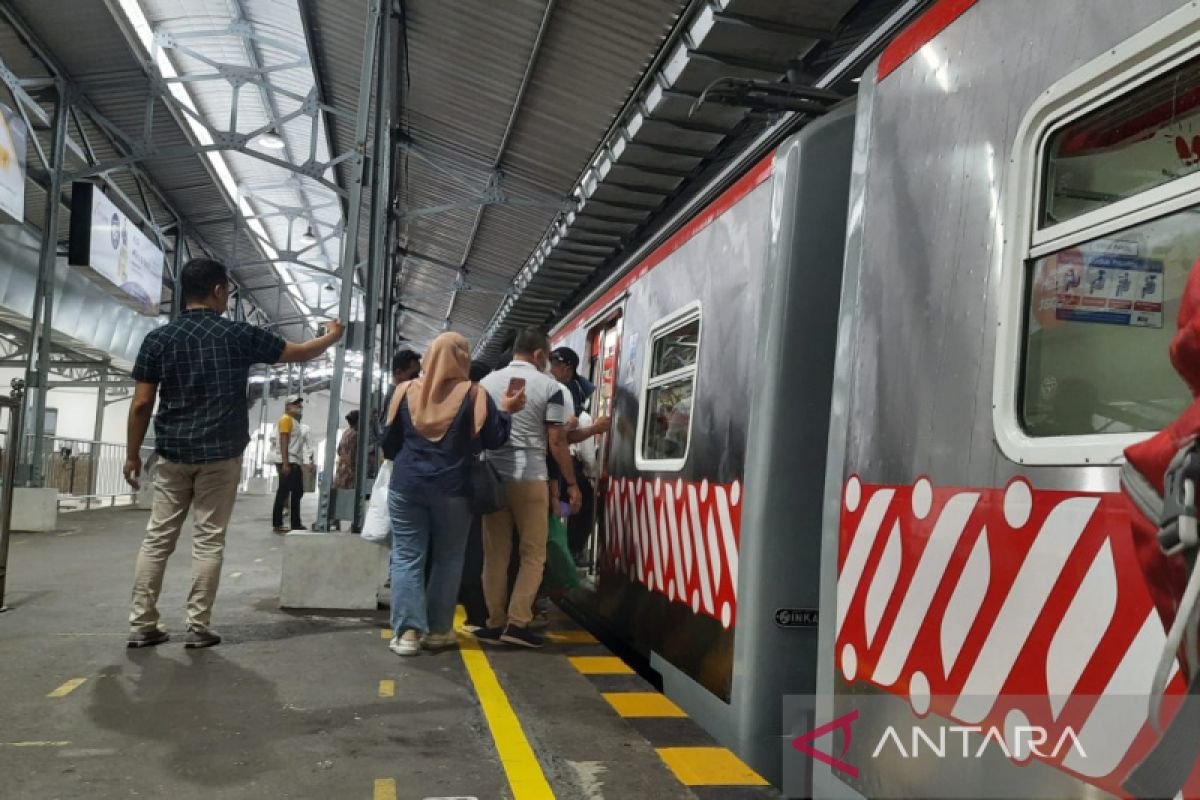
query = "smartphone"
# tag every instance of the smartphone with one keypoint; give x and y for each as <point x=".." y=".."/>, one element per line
<point x="515" y="385"/>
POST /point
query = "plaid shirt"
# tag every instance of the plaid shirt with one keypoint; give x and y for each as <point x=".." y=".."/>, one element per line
<point x="201" y="363"/>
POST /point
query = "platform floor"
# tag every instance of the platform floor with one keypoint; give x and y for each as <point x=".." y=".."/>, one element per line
<point x="300" y="705"/>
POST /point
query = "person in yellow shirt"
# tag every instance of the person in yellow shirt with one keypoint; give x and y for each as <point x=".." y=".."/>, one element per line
<point x="290" y="448"/>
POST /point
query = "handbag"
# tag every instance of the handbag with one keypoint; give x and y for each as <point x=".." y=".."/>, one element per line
<point x="377" y="524"/>
<point x="308" y="473"/>
<point x="486" y="491"/>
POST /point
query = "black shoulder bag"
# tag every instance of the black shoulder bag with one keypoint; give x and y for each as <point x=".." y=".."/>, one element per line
<point x="486" y="489"/>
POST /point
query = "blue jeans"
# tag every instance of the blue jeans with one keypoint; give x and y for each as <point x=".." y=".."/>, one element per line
<point x="417" y="522"/>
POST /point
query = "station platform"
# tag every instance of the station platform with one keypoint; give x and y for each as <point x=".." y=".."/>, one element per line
<point x="309" y="705"/>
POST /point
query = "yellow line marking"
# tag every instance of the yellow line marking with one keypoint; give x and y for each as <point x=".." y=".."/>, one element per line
<point x="36" y="744"/>
<point x="571" y="637"/>
<point x="600" y="665"/>
<point x="521" y="766"/>
<point x="387" y="688"/>
<point x="385" y="789"/>
<point x="385" y="633"/>
<point x="67" y="687"/>
<point x="642" y="704"/>
<point x="709" y="766"/>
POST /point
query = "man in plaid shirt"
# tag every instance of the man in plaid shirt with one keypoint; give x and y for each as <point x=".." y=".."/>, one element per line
<point x="199" y="367"/>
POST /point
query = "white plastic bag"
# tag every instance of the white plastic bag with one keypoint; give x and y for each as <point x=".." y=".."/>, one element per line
<point x="378" y="524"/>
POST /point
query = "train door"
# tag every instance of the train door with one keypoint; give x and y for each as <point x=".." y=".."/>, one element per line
<point x="604" y="344"/>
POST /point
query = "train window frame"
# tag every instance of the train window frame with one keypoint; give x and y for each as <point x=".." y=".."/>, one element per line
<point x="692" y="312"/>
<point x="1159" y="48"/>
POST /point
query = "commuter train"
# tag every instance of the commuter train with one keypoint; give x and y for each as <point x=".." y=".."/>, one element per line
<point x="870" y="407"/>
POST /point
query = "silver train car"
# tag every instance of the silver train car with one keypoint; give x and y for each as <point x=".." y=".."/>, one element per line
<point x="870" y="408"/>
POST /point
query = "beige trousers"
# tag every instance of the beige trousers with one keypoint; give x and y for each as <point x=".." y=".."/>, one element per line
<point x="210" y="489"/>
<point x="529" y="509"/>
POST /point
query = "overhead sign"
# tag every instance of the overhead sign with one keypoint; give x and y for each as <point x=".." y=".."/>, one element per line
<point x="12" y="163"/>
<point x="109" y="246"/>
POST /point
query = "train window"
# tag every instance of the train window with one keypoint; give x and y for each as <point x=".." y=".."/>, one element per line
<point x="1101" y="315"/>
<point x="1143" y="139"/>
<point x="665" y="421"/>
<point x="1099" y="234"/>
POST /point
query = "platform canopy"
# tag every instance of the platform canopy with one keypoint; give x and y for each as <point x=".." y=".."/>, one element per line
<point x="533" y="144"/>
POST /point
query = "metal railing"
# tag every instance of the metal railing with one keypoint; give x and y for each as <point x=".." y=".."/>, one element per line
<point x="86" y="473"/>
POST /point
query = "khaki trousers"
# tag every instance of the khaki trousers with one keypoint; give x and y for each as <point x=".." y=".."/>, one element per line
<point x="211" y="490"/>
<point x="528" y="507"/>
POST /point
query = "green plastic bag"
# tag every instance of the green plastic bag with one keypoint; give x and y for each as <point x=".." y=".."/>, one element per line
<point x="561" y="573"/>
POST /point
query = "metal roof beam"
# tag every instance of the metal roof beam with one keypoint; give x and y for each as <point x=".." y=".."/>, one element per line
<point x="508" y="129"/>
<point x="771" y="26"/>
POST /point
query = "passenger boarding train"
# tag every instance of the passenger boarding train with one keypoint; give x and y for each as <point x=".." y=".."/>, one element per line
<point x="870" y="406"/>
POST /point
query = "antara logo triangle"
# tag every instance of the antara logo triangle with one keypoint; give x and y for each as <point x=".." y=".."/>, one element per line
<point x="802" y="743"/>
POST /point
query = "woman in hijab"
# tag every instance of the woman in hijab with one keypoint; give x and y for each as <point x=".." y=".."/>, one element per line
<point x="432" y="422"/>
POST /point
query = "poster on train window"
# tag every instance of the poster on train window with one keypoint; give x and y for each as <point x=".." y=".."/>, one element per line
<point x="1108" y="283"/>
<point x="114" y="250"/>
<point x="12" y="163"/>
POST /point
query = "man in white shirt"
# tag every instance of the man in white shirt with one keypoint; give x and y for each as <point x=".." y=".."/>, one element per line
<point x="294" y="438"/>
<point x="538" y="428"/>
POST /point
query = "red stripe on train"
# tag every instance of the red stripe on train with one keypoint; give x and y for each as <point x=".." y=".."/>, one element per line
<point x="920" y="33"/>
<point x="729" y="198"/>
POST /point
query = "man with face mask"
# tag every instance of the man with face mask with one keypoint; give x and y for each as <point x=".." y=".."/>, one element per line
<point x="291" y="448"/>
<point x="198" y="369"/>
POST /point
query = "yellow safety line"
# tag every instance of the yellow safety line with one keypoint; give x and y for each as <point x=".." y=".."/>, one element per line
<point x="67" y="687"/>
<point x="387" y="688"/>
<point x="642" y="704"/>
<point x="521" y="766"/>
<point x="600" y="665"/>
<point x="385" y="633"/>
<point x="709" y="766"/>
<point x="385" y="789"/>
<point x="571" y="637"/>
<point x="36" y="744"/>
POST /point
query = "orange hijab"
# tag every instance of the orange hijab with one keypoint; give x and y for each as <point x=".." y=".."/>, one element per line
<point x="435" y="398"/>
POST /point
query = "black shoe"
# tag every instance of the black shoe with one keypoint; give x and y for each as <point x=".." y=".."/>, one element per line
<point x="201" y="639"/>
<point x="149" y="639"/>
<point x="522" y="636"/>
<point x="489" y="635"/>
<point x="299" y="528"/>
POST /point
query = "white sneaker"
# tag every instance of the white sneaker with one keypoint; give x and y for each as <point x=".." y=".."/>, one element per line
<point x="405" y="647"/>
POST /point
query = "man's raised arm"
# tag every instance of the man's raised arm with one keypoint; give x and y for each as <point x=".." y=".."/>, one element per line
<point x="307" y="351"/>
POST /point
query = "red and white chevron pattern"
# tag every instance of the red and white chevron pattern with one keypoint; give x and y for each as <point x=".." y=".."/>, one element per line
<point x="995" y="606"/>
<point x="679" y="539"/>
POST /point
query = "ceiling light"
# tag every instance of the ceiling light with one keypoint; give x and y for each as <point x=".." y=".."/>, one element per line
<point x="272" y="140"/>
<point x="308" y="235"/>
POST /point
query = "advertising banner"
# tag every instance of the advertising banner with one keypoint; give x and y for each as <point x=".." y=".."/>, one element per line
<point x="12" y="163"/>
<point x="106" y="242"/>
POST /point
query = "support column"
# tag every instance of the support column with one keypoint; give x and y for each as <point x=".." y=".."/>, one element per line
<point x="381" y="162"/>
<point x="349" y="256"/>
<point x="37" y="370"/>
<point x="98" y="432"/>
<point x="176" y="273"/>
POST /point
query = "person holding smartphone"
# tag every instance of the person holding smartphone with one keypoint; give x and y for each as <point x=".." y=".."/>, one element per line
<point x="539" y="428"/>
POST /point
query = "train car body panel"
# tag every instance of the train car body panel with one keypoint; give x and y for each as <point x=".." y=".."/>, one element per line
<point x="960" y="585"/>
<point x="698" y="559"/>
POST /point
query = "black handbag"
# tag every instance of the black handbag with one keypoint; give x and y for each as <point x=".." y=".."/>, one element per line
<point x="486" y="488"/>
